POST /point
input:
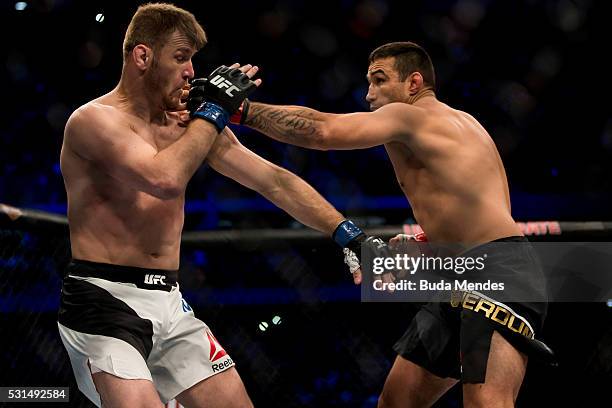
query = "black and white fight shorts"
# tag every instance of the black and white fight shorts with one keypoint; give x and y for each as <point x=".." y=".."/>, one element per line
<point x="133" y="323"/>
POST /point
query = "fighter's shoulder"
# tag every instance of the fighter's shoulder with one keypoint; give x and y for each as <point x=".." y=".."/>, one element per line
<point x="406" y="119"/>
<point x="93" y="113"/>
<point x="400" y="110"/>
<point x="450" y="121"/>
<point x="402" y="107"/>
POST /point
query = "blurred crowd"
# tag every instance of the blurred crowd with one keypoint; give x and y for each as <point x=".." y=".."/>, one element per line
<point x="533" y="72"/>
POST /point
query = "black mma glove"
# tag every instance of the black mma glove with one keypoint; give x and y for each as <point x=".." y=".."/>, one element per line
<point x="354" y="241"/>
<point x="221" y="94"/>
<point x="196" y="95"/>
<point x="240" y="115"/>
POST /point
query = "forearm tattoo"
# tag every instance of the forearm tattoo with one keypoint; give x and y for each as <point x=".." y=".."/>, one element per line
<point x="291" y="124"/>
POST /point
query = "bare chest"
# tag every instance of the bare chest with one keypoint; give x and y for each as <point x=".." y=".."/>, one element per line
<point x="407" y="167"/>
<point x="158" y="136"/>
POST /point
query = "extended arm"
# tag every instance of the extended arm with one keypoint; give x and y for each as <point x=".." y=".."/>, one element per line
<point x="289" y="192"/>
<point x="283" y="188"/>
<point x="309" y="128"/>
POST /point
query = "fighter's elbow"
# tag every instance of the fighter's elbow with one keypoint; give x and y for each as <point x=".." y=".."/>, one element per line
<point x="322" y="138"/>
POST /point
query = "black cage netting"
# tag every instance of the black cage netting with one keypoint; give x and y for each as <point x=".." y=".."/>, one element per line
<point x="288" y="314"/>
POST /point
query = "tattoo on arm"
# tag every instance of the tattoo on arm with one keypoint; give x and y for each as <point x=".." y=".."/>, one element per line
<point x="291" y="124"/>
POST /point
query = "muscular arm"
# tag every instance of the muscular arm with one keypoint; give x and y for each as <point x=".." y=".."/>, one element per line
<point x="309" y="128"/>
<point x="93" y="134"/>
<point x="283" y="188"/>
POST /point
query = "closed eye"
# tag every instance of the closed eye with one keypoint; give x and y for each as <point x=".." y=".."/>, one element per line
<point x="183" y="56"/>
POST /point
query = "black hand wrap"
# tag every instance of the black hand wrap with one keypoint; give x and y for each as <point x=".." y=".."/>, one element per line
<point x="217" y="97"/>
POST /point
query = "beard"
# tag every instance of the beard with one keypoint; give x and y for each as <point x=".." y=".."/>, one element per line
<point x="154" y="81"/>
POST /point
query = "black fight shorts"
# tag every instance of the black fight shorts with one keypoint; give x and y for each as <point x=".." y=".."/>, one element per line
<point x="452" y="339"/>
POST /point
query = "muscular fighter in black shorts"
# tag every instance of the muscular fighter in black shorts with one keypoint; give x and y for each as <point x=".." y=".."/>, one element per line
<point x="452" y="174"/>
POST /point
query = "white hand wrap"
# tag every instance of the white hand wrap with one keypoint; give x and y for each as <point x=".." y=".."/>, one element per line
<point x="419" y="237"/>
<point x="351" y="260"/>
<point x="405" y="237"/>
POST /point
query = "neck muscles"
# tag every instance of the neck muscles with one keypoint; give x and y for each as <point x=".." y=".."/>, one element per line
<point x="419" y="95"/>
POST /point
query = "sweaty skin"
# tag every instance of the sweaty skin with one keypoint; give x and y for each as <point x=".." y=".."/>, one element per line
<point x="445" y="162"/>
<point x="126" y="160"/>
<point x="453" y="177"/>
<point x="112" y="221"/>
<point x="128" y="155"/>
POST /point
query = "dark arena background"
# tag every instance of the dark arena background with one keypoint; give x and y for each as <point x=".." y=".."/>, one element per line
<point x="278" y="296"/>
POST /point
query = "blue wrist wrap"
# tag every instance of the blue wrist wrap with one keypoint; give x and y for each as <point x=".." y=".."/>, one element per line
<point x="213" y="113"/>
<point x="346" y="232"/>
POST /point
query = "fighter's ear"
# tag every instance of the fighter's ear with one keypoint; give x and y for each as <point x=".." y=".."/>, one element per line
<point x="414" y="82"/>
<point x="142" y="56"/>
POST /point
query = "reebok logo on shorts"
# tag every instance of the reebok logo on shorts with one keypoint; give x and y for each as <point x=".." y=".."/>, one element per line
<point x="154" y="279"/>
<point x="216" y="351"/>
<point x="223" y="365"/>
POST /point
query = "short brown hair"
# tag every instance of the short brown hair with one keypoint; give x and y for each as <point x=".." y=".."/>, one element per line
<point x="409" y="58"/>
<point x="153" y="23"/>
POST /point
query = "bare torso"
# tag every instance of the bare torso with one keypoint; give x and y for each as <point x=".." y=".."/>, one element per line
<point x="453" y="176"/>
<point x="111" y="222"/>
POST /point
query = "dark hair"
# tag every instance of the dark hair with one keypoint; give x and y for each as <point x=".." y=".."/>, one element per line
<point x="409" y="58"/>
<point x="153" y="23"/>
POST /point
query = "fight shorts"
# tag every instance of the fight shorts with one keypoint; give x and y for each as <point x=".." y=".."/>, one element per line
<point x="452" y="339"/>
<point x="133" y="323"/>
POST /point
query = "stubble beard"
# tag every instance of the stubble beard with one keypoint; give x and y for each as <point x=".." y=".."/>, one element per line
<point x="154" y="88"/>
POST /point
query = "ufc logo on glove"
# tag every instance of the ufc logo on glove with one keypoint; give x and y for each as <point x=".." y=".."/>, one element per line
<point x="221" y="83"/>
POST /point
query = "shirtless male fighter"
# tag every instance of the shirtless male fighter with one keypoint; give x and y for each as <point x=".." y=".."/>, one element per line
<point x="451" y="172"/>
<point x="126" y="159"/>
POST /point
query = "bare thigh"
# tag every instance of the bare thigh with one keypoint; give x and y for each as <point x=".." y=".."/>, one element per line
<point x="118" y="392"/>
<point x="505" y="372"/>
<point x="223" y="390"/>
<point x="409" y="385"/>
